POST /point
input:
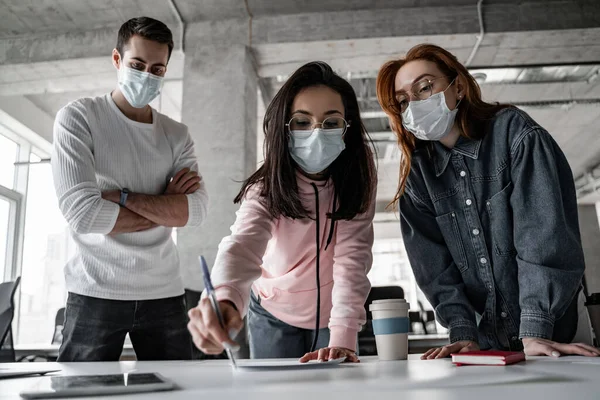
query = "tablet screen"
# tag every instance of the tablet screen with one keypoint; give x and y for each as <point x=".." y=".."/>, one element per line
<point x="82" y="385"/>
<point x="72" y="382"/>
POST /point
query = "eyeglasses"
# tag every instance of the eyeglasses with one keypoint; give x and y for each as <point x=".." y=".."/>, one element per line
<point x="306" y="124"/>
<point x="421" y="90"/>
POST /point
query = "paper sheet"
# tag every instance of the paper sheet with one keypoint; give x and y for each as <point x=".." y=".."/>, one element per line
<point x="284" y="364"/>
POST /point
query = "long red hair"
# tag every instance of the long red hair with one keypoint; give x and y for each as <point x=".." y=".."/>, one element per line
<point x="472" y="108"/>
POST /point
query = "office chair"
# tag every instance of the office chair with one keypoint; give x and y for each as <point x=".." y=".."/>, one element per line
<point x="59" y="323"/>
<point x="7" y="312"/>
<point x="366" y="337"/>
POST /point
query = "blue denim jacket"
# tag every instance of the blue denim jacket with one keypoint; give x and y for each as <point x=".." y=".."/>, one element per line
<point x="491" y="232"/>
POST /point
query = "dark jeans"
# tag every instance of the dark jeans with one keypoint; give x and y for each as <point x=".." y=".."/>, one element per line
<point x="273" y="338"/>
<point x="95" y="329"/>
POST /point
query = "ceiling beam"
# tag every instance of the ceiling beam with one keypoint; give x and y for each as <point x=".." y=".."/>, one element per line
<point x="22" y="116"/>
<point x="407" y="19"/>
<point x="496" y="50"/>
<point x="498" y="16"/>
<point x="71" y="75"/>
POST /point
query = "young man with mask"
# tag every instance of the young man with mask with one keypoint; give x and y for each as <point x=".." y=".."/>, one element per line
<point x="125" y="175"/>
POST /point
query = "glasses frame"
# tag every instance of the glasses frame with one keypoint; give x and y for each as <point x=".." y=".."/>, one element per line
<point x="314" y="124"/>
<point x="396" y="104"/>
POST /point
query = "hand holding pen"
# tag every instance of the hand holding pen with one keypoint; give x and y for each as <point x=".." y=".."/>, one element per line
<point x="209" y="335"/>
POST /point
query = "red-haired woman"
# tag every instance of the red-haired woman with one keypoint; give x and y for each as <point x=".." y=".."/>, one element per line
<point x="488" y="211"/>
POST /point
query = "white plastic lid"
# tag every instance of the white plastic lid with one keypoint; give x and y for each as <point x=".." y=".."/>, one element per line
<point x="389" y="304"/>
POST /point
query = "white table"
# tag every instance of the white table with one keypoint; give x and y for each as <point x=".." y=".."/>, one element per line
<point x="416" y="344"/>
<point x="568" y="378"/>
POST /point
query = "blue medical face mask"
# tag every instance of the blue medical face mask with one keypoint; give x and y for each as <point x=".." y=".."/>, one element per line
<point x="139" y="88"/>
<point x="315" y="150"/>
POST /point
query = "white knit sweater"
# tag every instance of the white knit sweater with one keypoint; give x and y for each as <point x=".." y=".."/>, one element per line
<point x="97" y="148"/>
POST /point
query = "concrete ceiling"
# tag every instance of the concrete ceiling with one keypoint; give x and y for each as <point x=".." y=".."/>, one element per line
<point x="54" y="51"/>
<point x="26" y="17"/>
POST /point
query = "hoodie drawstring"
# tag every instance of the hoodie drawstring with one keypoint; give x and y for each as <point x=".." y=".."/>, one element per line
<point x="318" y="274"/>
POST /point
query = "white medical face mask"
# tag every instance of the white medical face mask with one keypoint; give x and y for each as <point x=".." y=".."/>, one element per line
<point x="429" y="119"/>
<point x="139" y="88"/>
<point x="315" y="150"/>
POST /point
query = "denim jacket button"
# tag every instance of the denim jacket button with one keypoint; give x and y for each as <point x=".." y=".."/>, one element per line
<point x="504" y="315"/>
<point x="469" y="202"/>
<point x="475" y="232"/>
<point x="483" y="260"/>
<point x="463" y="173"/>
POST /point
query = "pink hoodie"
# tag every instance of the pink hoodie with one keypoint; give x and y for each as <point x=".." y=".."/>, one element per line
<point x="277" y="259"/>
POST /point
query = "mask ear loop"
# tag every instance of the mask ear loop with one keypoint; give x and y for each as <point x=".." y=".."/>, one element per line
<point x="460" y="97"/>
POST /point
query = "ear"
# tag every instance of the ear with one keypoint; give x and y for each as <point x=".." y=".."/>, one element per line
<point x="460" y="88"/>
<point x="116" y="58"/>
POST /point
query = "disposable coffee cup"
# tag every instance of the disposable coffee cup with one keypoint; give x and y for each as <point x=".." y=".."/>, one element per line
<point x="593" y="307"/>
<point x="391" y="326"/>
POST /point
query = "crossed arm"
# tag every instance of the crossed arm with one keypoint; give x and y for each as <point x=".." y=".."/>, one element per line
<point x="143" y="211"/>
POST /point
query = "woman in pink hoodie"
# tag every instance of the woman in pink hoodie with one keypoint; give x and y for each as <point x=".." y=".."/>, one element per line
<point x="297" y="259"/>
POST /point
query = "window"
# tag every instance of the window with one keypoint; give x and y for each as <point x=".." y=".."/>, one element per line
<point x="10" y="201"/>
<point x="4" y="231"/>
<point x="392" y="268"/>
<point x="47" y="248"/>
<point x="8" y="155"/>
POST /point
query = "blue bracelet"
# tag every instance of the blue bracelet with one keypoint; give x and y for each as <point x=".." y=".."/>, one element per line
<point x="123" y="198"/>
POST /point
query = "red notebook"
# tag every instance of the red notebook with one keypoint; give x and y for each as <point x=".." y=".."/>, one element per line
<point x="485" y="357"/>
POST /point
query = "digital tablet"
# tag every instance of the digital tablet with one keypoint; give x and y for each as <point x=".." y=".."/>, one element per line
<point x="97" y="385"/>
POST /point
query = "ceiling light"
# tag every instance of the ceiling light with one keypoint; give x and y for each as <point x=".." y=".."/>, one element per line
<point x="480" y="77"/>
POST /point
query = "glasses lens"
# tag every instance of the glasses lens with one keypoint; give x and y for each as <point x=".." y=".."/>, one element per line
<point x="402" y="101"/>
<point x="423" y="89"/>
<point x="334" y="123"/>
<point x="301" y="124"/>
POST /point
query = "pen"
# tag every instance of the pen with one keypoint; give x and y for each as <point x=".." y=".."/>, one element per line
<point x="210" y="292"/>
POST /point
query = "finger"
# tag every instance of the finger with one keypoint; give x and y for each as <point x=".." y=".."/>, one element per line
<point x="196" y="318"/>
<point x="574" y="349"/>
<point x="193" y="330"/>
<point x="187" y="177"/>
<point x="335" y="353"/>
<point x="352" y="358"/>
<point x="323" y="354"/>
<point x="233" y="321"/>
<point x="591" y="349"/>
<point x="187" y="185"/>
<point x="213" y="328"/>
<point x="179" y="186"/>
<point x="193" y="189"/>
<point x="198" y="329"/>
<point x="179" y="174"/>
<point x="445" y="352"/>
<point x="201" y="342"/>
<point x="543" y="349"/>
<point x="427" y="354"/>
<point x="434" y="354"/>
<point x="207" y="346"/>
<point x="309" y="357"/>
<point x="470" y="347"/>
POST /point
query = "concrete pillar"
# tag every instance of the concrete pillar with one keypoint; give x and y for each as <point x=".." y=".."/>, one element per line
<point x="220" y="107"/>
<point x="590" y="239"/>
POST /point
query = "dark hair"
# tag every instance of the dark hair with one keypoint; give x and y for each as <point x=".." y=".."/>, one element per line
<point x="353" y="172"/>
<point x="146" y="27"/>
<point x="473" y="111"/>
